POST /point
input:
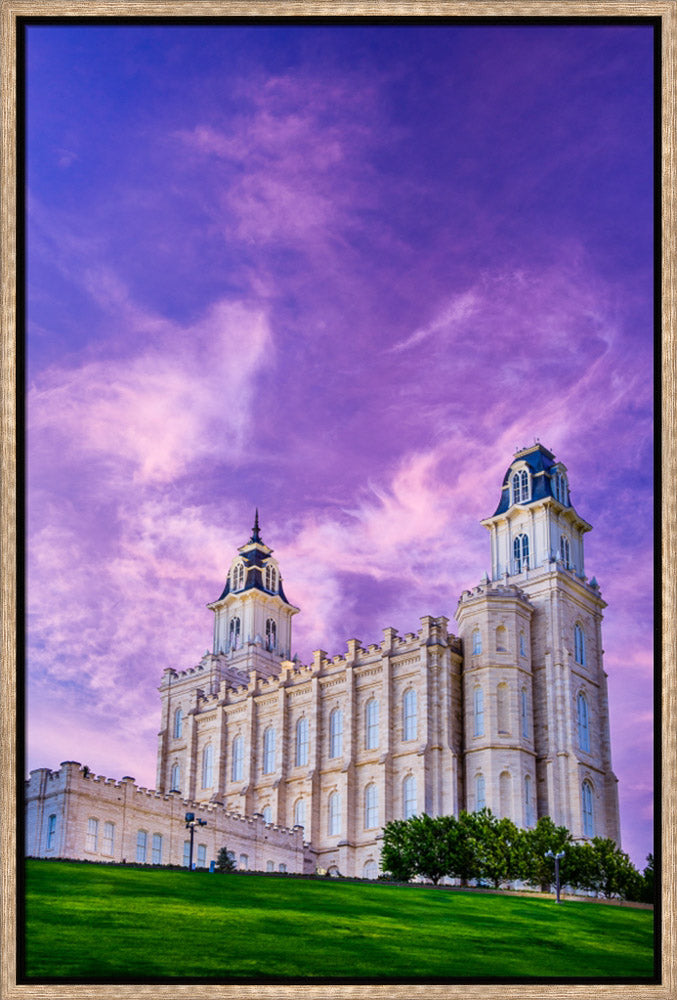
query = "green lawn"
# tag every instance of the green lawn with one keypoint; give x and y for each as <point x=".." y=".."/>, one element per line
<point x="96" y="922"/>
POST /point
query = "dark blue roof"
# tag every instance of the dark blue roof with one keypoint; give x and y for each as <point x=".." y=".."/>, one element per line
<point x="541" y="463"/>
<point x="255" y="555"/>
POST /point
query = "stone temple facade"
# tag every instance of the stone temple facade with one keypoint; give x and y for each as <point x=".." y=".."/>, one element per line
<point x="298" y="767"/>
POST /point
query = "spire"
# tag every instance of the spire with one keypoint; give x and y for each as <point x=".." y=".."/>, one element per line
<point x="255" y="531"/>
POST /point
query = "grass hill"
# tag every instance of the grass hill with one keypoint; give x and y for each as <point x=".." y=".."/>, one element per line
<point x="92" y="922"/>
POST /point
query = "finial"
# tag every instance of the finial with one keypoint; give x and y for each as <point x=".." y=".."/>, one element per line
<point x="255" y="532"/>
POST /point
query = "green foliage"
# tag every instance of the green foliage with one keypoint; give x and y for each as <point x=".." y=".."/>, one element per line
<point x="397" y="853"/>
<point x="225" y="861"/>
<point x="502" y="849"/>
<point x="539" y="870"/>
<point x="647" y="887"/>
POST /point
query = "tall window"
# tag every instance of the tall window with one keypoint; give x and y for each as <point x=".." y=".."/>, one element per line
<point x="528" y="802"/>
<point x="270" y="866"/>
<point x="579" y="645"/>
<point x="51" y="832"/>
<point x="588" y="815"/>
<point x="502" y="695"/>
<point x="141" y="841"/>
<point x="267" y="815"/>
<point x="269" y="750"/>
<point x="524" y="713"/>
<point x="271" y="634"/>
<point x="583" y="722"/>
<point x="565" y="551"/>
<point x="236" y="765"/>
<point x="520" y="551"/>
<point x="202" y="855"/>
<point x="301" y="758"/>
<point x="501" y="639"/>
<point x="108" y="837"/>
<point x="371" y="725"/>
<point x="476" y="642"/>
<point x="175" y="782"/>
<point x="480" y="793"/>
<point x="478" y="709"/>
<point x="370" y="807"/>
<point x="234" y="633"/>
<point x="370" y="869"/>
<point x="157" y="849"/>
<point x="523" y="645"/>
<point x="178" y="723"/>
<point x="186" y="853"/>
<point x="238" y="576"/>
<point x="560" y="488"/>
<point x="409" y="721"/>
<point x="409" y="796"/>
<point x="208" y="766"/>
<point x="334" y="808"/>
<point x="505" y="793"/>
<point x="92" y="834"/>
<point x="270" y="582"/>
<point x="520" y="486"/>
<point x="336" y="733"/>
<point x="300" y="813"/>
<point x="244" y="862"/>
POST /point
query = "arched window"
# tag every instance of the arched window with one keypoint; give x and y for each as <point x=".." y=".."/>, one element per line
<point x="588" y="814"/>
<point x="268" y="750"/>
<point x="520" y="486"/>
<point x="478" y="710"/>
<point x="234" y="634"/>
<point x="371" y="724"/>
<point x="267" y="814"/>
<point x="141" y="841"/>
<point x="175" y="781"/>
<point x="523" y="645"/>
<point x="92" y="834"/>
<point x="271" y="634"/>
<point x="244" y="862"/>
<point x="501" y="639"/>
<point x="300" y="813"/>
<point x="237" y="762"/>
<point x="370" y="807"/>
<point x="157" y="849"/>
<point x="476" y="642"/>
<point x="301" y="758"/>
<point x="208" y="766"/>
<point x="528" y="802"/>
<point x="336" y="733"/>
<point x="480" y="793"/>
<point x="505" y="793"/>
<point x="409" y="720"/>
<point x="520" y="551"/>
<point x="108" y="837"/>
<point x="579" y="645"/>
<point x="201" y="856"/>
<point x="524" y="713"/>
<point x="583" y="722"/>
<point x="409" y="797"/>
<point x="51" y="832"/>
<point x="334" y="811"/>
<point x="502" y="696"/>
<point x="270" y="582"/>
<point x="370" y="869"/>
<point x="565" y="551"/>
<point x="238" y="576"/>
<point x="560" y="488"/>
<point x="178" y="723"/>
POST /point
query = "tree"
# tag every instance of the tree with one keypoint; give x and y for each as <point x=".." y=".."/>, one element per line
<point x="545" y="836"/>
<point x="225" y="861"/>
<point x="396" y="851"/>
<point x="430" y="845"/>
<point x="647" y="889"/>
<point x="502" y="849"/>
<point x="464" y="847"/>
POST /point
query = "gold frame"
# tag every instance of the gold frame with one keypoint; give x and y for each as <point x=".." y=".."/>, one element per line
<point x="10" y="11"/>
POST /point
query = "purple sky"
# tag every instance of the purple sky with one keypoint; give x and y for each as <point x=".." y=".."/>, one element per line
<point x="340" y="273"/>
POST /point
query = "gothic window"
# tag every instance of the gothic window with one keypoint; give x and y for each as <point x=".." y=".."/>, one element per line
<point x="370" y="869"/>
<point x="270" y="581"/>
<point x="267" y="815"/>
<point x="560" y="488"/>
<point x="300" y="813"/>
<point x="565" y="551"/>
<point x="370" y="807"/>
<point x="588" y="814"/>
<point x="520" y="551"/>
<point x="478" y="709"/>
<point x="201" y="855"/>
<point x="178" y="723"/>
<point x="269" y="750"/>
<point x="51" y="831"/>
<point x="523" y="645"/>
<point x="236" y="766"/>
<point x="234" y="633"/>
<point x="244" y="862"/>
<point x="583" y="723"/>
<point x="409" y="720"/>
<point x="108" y="837"/>
<point x="208" y="766"/>
<point x="501" y="639"/>
<point x="409" y="796"/>
<point x="502" y="698"/>
<point x="505" y="793"/>
<point x="186" y="853"/>
<point x="238" y="576"/>
<point x="141" y="840"/>
<point x="371" y="725"/>
<point x="175" y="781"/>
<point x="282" y="867"/>
<point x="336" y="733"/>
<point x="528" y="802"/>
<point x="520" y="486"/>
<point x="157" y="849"/>
<point x="270" y="866"/>
<point x="92" y="834"/>
<point x="302" y="742"/>
<point x="476" y="642"/>
<point x="334" y="808"/>
<point x="524" y="713"/>
<point x="480" y="793"/>
<point x="579" y="645"/>
<point x="271" y="634"/>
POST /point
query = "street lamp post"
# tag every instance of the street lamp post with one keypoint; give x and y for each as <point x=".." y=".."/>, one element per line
<point x="557" y="858"/>
<point x="191" y="823"/>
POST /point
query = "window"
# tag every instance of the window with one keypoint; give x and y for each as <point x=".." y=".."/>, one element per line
<point x="336" y="733"/>
<point x="208" y="766"/>
<point x="480" y="793"/>
<point x="476" y="642"/>
<point x="370" y="869"/>
<point x="51" y="831"/>
<point x="238" y="576"/>
<point x="301" y="758"/>
<point x="202" y="855"/>
<point x="175" y="783"/>
<point x="520" y="486"/>
<point x="270" y="866"/>
<point x="502" y="695"/>
<point x="141" y="840"/>
<point x="236" y="766"/>
<point x="92" y="834"/>
<point x="371" y="725"/>
<point x="186" y="853"/>
<point x="409" y="797"/>
<point x="478" y="710"/>
<point x="588" y="816"/>
<point x="244" y="862"/>
<point x="267" y="815"/>
<point x="300" y="813"/>
<point x="579" y="645"/>
<point x="271" y="634"/>
<point x="409" y="720"/>
<point x="334" y="808"/>
<point x="583" y="723"/>
<point x="501" y="639"/>
<point x="565" y="551"/>
<point x="520" y="551"/>
<point x="524" y="713"/>
<point x="270" y="582"/>
<point x="178" y="723"/>
<point x="234" y="634"/>
<point x="528" y="802"/>
<point x="282" y="867"/>
<point x="157" y="849"/>
<point x="108" y="837"/>
<point x="523" y="645"/>
<point x="505" y="793"/>
<point x="269" y="750"/>
<point x="370" y="807"/>
<point x="560" y="488"/>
